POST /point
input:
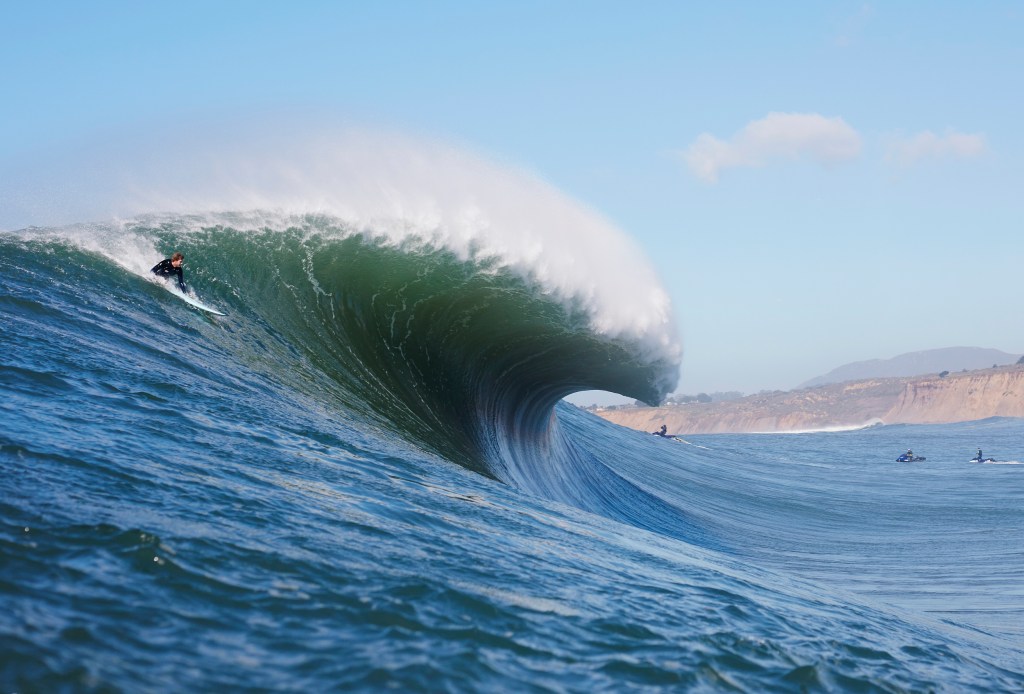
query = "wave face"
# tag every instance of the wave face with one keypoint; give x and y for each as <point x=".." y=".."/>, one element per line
<point x="363" y="477"/>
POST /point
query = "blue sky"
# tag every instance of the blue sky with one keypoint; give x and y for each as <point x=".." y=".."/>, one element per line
<point x="816" y="183"/>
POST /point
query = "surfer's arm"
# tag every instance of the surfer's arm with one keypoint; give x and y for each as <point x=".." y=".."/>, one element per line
<point x="181" y="281"/>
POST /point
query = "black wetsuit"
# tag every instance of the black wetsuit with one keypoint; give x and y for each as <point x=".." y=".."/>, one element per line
<point x="165" y="269"/>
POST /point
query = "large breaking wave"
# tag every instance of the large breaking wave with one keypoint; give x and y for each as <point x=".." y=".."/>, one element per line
<point x="464" y="355"/>
<point x="452" y="300"/>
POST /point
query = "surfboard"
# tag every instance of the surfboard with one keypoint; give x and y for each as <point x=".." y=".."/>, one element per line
<point x="190" y="301"/>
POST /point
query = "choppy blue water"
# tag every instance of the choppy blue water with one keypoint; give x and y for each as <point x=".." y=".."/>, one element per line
<point x="363" y="478"/>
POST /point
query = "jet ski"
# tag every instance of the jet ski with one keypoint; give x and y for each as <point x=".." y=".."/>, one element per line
<point x="982" y="460"/>
<point x="910" y="459"/>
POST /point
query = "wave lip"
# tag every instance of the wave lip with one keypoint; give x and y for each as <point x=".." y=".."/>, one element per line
<point x="388" y="186"/>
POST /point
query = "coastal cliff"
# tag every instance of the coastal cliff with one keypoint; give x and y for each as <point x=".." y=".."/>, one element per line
<point x="960" y="397"/>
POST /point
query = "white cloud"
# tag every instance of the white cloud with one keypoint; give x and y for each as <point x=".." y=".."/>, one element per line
<point x="827" y="141"/>
<point x="928" y="145"/>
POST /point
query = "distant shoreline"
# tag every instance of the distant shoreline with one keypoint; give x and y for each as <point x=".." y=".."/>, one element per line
<point x="955" y="397"/>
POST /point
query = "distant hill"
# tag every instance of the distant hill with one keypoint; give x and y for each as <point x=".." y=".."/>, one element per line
<point x="916" y="364"/>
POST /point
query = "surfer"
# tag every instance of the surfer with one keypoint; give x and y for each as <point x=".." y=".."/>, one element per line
<point x="663" y="431"/>
<point x="172" y="266"/>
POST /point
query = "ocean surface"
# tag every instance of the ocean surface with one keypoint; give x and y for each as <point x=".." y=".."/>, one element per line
<point x="364" y="477"/>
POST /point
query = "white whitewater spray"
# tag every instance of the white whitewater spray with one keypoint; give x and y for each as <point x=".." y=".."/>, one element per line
<point x="401" y="188"/>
